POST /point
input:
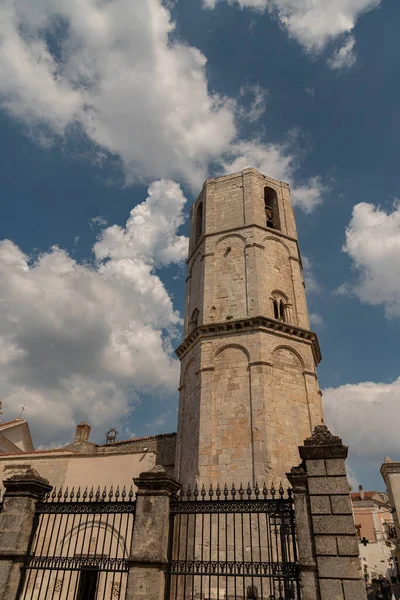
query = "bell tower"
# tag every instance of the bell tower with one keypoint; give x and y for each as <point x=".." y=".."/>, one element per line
<point x="249" y="393"/>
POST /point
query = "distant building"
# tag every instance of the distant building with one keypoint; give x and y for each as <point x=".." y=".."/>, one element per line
<point x="15" y="437"/>
<point x="373" y="518"/>
<point x="84" y="463"/>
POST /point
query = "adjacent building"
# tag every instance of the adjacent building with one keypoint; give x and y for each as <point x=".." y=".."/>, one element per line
<point x="373" y="518"/>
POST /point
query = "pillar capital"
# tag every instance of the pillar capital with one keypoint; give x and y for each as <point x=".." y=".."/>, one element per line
<point x="323" y="444"/>
<point x="28" y="484"/>
<point x="156" y="482"/>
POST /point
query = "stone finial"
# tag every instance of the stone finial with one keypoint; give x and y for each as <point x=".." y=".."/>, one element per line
<point x="158" y="469"/>
<point x="29" y="475"/>
<point x="323" y="437"/>
<point x="29" y="483"/>
<point x="322" y="444"/>
<point x="387" y="459"/>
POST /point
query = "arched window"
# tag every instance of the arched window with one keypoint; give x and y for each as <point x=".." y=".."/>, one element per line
<point x="276" y="309"/>
<point x="194" y="320"/>
<point x="271" y="208"/>
<point x="198" y="232"/>
<point x="280" y="306"/>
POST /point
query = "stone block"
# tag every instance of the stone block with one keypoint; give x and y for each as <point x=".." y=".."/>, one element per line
<point x="316" y="468"/>
<point x="338" y="567"/>
<point x="320" y="505"/>
<point x="335" y="466"/>
<point x="334" y="524"/>
<point x="341" y="505"/>
<point x="348" y="545"/>
<point x="328" y="485"/>
<point x="331" y="589"/>
<point x="326" y="544"/>
<point x="355" y="590"/>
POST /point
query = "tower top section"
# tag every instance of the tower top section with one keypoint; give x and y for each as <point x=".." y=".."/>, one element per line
<point x="246" y="198"/>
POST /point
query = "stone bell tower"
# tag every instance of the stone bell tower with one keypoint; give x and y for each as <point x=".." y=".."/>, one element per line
<point x="249" y="392"/>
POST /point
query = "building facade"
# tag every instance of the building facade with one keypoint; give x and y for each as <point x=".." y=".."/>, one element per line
<point x="249" y="391"/>
<point x="85" y="464"/>
<point x="373" y="518"/>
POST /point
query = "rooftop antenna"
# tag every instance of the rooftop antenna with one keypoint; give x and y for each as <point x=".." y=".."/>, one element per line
<point x="22" y="410"/>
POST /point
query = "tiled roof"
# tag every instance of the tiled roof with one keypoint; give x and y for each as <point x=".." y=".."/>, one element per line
<point x="367" y="495"/>
<point x="134" y="440"/>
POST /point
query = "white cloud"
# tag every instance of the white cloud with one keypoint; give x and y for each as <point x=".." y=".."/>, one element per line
<point x="312" y="285"/>
<point x="344" y="57"/>
<point x="81" y="341"/>
<point x="117" y="72"/>
<point x="367" y="417"/>
<point x="120" y="77"/>
<point x="279" y="162"/>
<point x="312" y="23"/>
<point x="258" y="103"/>
<point x="316" y="319"/>
<point x="373" y="244"/>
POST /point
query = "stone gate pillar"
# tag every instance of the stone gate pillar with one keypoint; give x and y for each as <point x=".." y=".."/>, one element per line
<point x="16" y="526"/>
<point x="149" y="551"/>
<point x="329" y="524"/>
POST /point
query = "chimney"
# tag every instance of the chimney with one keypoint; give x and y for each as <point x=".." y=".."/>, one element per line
<point x="82" y="432"/>
<point x="361" y="490"/>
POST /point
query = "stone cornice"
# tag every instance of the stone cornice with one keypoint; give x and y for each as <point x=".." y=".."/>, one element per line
<point x="249" y="324"/>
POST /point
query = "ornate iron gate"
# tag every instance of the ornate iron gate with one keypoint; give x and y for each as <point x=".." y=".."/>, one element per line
<point x="79" y="546"/>
<point x="233" y="544"/>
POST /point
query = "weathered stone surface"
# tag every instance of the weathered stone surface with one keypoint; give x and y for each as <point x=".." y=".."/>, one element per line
<point x="348" y="545"/>
<point x="336" y="466"/>
<point x="326" y="544"/>
<point x="338" y="567"/>
<point x="354" y="590"/>
<point x="149" y="548"/>
<point x="341" y="505"/>
<point x="333" y="524"/>
<point x="328" y="485"/>
<point x="320" y="505"/>
<point x="316" y="468"/>
<point x="331" y="589"/>
<point x="16" y="522"/>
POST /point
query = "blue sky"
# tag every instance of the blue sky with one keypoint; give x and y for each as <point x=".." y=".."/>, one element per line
<point x="108" y="107"/>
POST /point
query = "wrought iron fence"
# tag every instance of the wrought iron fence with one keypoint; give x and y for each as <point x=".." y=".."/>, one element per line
<point x="79" y="547"/>
<point x="233" y="544"/>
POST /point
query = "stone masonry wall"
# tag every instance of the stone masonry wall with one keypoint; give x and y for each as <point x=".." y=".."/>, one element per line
<point x="253" y="396"/>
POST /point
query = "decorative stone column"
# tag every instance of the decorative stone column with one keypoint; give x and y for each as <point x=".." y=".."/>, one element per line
<point x="149" y="550"/>
<point x="305" y="543"/>
<point x="16" y="526"/>
<point x="332" y="526"/>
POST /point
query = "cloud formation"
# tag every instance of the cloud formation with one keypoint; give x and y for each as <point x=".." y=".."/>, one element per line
<point x="344" y="57"/>
<point x="81" y="341"/>
<point x="117" y="72"/>
<point x="312" y="24"/>
<point x="373" y="244"/>
<point x="366" y="416"/>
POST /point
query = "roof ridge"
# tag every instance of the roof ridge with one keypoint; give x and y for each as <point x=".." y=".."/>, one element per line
<point x="136" y="439"/>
